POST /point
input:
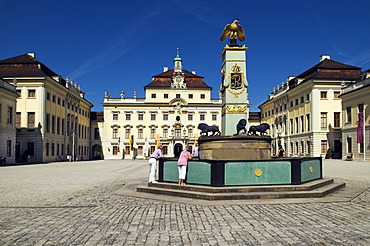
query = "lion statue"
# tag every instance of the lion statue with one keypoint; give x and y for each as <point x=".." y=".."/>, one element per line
<point x="206" y="128"/>
<point x="261" y="128"/>
<point x="241" y="127"/>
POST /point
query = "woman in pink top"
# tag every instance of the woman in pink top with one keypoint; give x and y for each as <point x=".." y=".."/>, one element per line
<point x="182" y="163"/>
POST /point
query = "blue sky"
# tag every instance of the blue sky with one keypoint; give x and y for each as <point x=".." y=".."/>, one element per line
<point x="119" y="45"/>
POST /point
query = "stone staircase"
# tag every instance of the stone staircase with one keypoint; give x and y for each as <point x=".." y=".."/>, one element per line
<point x="313" y="189"/>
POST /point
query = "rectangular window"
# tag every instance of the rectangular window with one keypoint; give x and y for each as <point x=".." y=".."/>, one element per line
<point x="52" y="124"/>
<point x="115" y="150"/>
<point x="324" y="121"/>
<point x="296" y="124"/>
<point x="302" y="99"/>
<point x="152" y="133"/>
<point x="58" y="146"/>
<point x="291" y="126"/>
<point x="308" y="123"/>
<point x="165" y="116"/>
<point x="165" y="133"/>
<point x="140" y="150"/>
<point x="54" y="97"/>
<point x="152" y="117"/>
<point x="1" y="113"/>
<point x="202" y="117"/>
<point x="178" y="133"/>
<point x="115" y="116"/>
<point x="308" y="147"/>
<point x="324" y="146"/>
<point x="349" y="114"/>
<point x="191" y="96"/>
<point x="349" y="145"/>
<point x="19" y="92"/>
<point x="165" y="150"/>
<point x="128" y="116"/>
<point x="32" y="93"/>
<point x="47" y="122"/>
<point x="140" y="133"/>
<point x="296" y="101"/>
<point x="48" y="96"/>
<point x="62" y="131"/>
<point x="291" y="104"/>
<point x="9" y="116"/>
<point x="62" y="150"/>
<point x="31" y="120"/>
<point x="302" y="123"/>
<point x="190" y="132"/>
<point x="307" y="97"/>
<point x="8" y="148"/>
<point x="190" y="116"/>
<point x="58" y="125"/>
<point x="214" y="117"/>
<point x="96" y="134"/>
<point x="115" y="133"/>
<point x="52" y="149"/>
<point x="154" y="95"/>
<point x="140" y="116"/>
<point x="127" y="133"/>
<point x="336" y="119"/>
<point x="18" y="120"/>
<point x="165" y="96"/>
<point x="58" y="100"/>
<point x="127" y="149"/>
<point x="336" y="94"/>
<point x="202" y="96"/>
<point x="178" y="96"/>
<point x="47" y="149"/>
<point x="323" y="94"/>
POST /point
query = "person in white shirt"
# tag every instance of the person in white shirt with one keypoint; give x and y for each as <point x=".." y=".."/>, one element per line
<point x="157" y="154"/>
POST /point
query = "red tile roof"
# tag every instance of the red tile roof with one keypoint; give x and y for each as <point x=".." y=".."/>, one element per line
<point x="164" y="80"/>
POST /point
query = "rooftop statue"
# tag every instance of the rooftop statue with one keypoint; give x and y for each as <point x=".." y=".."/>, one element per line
<point x="235" y="31"/>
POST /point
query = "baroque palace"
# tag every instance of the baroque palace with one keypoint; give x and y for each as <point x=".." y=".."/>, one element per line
<point x="45" y="118"/>
<point x="175" y="102"/>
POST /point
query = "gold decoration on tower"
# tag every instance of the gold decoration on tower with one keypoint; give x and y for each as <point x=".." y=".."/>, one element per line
<point x="234" y="30"/>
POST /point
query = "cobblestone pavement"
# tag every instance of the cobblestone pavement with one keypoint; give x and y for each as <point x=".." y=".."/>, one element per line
<point x="93" y="214"/>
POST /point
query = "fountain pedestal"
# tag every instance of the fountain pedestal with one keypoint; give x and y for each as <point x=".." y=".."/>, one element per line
<point x="242" y="147"/>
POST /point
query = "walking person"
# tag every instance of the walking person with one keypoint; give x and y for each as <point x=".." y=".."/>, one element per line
<point x="183" y="163"/>
<point x="281" y="151"/>
<point x="157" y="154"/>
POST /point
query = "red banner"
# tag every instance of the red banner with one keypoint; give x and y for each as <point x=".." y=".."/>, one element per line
<point x="360" y="128"/>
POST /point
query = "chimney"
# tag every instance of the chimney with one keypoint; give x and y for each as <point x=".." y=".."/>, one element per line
<point x="165" y="69"/>
<point x="194" y="72"/>
<point x="323" y="57"/>
<point x="32" y="54"/>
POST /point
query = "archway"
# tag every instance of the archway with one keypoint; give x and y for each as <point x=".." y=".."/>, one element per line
<point x="97" y="152"/>
<point x="177" y="149"/>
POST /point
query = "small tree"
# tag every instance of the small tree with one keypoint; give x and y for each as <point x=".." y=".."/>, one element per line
<point x="329" y="153"/>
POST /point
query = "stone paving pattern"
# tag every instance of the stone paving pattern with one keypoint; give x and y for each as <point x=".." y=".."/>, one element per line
<point x="99" y="216"/>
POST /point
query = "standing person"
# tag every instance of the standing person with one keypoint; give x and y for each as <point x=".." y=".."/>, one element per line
<point x="183" y="163"/>
<point x="281" y="151"/>
<point x="195" y="151"/>
<point x="157" y="154"/>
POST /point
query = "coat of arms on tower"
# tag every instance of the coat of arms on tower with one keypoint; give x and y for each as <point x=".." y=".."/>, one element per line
<point x="236" y="81"/>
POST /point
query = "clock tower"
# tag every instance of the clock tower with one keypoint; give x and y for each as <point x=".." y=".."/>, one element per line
<point x="178" y="78"/>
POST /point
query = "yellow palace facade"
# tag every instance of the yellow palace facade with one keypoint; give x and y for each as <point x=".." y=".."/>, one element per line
<point x="175" y="102"/>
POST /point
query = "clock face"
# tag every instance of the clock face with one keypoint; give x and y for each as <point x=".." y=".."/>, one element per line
<point x="178" y="79"/>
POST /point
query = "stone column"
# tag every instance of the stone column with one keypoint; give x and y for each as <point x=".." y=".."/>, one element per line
<point x="235" y="101"/>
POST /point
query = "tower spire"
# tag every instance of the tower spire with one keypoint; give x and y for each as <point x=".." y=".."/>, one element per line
<point x="177" y="62"/>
